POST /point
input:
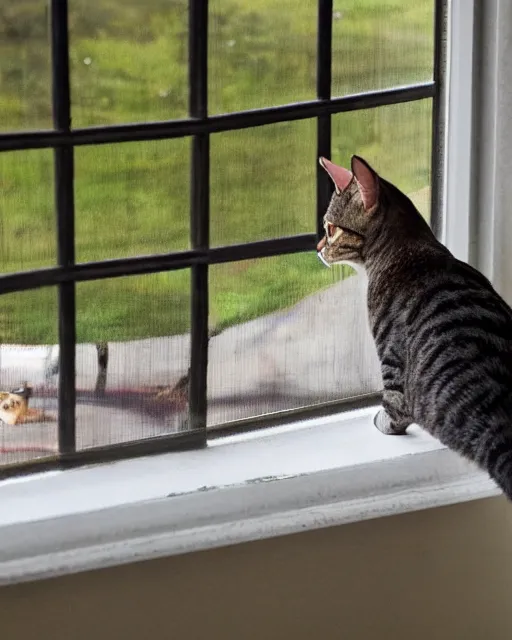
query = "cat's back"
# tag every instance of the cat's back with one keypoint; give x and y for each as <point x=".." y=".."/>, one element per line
<point x="444" y="317"/>
<point x="458" y="342"/>
<point x="427" y="287"/>
<point x="442" y="294"/>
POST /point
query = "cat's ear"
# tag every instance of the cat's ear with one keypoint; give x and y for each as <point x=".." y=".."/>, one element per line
<point x="340" y="176"/>
<point x="367" y="181"/>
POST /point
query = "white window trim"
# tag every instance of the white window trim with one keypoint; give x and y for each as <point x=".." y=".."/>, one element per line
<point x="459" y="109"/>
<point x="492" y="169"/>
<point x="317" y="473"/>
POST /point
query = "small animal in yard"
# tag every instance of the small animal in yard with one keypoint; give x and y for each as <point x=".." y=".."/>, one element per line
<point x="176" y="395"/>
<point x="14" y="408"/>
<point x="443" y="334"/>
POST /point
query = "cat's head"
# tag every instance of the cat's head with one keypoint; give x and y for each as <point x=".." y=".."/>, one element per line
<point x="351" y="212"/>
<point x="369" y="218"/>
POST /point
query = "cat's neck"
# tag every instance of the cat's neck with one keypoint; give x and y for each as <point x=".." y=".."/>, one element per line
<point x="398" y="241"/>
<point x="399" y="227"/>
<point x="358" y="267"/>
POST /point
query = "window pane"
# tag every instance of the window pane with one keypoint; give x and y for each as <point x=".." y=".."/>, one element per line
<point x="25" y="68"/>
<point x="28" y="327"/>
<point x="287" y="333"/>
<point x="381" y="43"/>
<point x="27" y="216"/>
<point x="263" y="182"/>
<point x="261" y="54"/>
<point x="396" y="141"/>
<point x="132" y="199"/>
<point x="145" y="322"/>
<point x="128" y="60"/>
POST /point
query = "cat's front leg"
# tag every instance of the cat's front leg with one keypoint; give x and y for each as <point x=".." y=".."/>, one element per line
<point x="393" y="419"/>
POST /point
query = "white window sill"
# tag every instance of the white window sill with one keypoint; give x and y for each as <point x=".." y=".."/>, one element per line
<point x="314" y="474"/>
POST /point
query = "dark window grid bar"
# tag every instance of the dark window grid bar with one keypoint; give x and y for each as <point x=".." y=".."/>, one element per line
<point x="109" y="453"/>
<point x="300" y="413"/>
<point x="438" y="115"/>
<point x="64" y="204"/>
<point x="217" y="123"/>
<point x="139" y="265"/>
<point x="199" y="214"/>
<point x="323" y="92"/>
<point x="185" y="440"/>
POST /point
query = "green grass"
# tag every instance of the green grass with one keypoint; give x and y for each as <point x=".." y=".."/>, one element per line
<point x="128" y="63"/>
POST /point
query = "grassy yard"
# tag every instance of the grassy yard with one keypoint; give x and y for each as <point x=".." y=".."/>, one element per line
<point x="128" y="63"/>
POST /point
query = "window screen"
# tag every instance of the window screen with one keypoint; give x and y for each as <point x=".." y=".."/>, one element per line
<point x="162" y="200"/>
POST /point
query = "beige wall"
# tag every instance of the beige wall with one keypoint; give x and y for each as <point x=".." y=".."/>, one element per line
<point x="443" y="573"/>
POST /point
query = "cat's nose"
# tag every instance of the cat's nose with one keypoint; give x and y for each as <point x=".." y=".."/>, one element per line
<point x="321" y="244"/>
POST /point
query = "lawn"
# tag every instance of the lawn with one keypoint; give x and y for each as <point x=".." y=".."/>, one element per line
<point x="129" y="63"/>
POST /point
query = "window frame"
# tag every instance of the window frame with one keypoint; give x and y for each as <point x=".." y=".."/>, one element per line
<point x="199" y="125"/>
<point x="306" y="475"/>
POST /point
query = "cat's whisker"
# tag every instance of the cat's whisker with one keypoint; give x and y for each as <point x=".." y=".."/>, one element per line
<point x="320" y="255"/>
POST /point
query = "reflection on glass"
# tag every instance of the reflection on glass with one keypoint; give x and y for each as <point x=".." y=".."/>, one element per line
<point x="381" y="43"/>
<point x="25" y="69"/>
<point x="132" y="357"/>
<point x="396" y="140"/>
<point x="289" y="333"/>
<point x="262" y="182"/>
<point x="128" y="60"/>
<point x="132" y="199"/>
<point x="28" y="395"/>
<point x="261" y="54"/>
<point x="27" y="217"/>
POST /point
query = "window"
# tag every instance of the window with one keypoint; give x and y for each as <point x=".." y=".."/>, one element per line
<point x="161" y="205"/>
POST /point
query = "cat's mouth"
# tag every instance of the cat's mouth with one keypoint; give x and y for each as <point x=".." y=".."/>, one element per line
<point x="332" y="233"/>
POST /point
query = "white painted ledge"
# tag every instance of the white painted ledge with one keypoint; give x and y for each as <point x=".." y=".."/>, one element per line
<point x="314" y="474"/>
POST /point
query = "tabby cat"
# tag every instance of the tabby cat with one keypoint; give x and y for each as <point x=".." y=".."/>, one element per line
<point x="443" y="335"/>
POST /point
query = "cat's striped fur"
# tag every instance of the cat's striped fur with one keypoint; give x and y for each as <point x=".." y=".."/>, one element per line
<point x="443" y="335"/>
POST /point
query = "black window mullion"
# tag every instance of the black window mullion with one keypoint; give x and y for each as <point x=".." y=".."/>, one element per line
<point x="139" y="265"/>
<point x="199" y="212"/>
<point x="168" y="129"/>
<point x="64" y="202"/>
<point x="323" y="90"/>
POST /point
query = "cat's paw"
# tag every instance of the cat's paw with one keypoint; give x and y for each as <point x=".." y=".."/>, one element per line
<point x="385" y="425"/>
